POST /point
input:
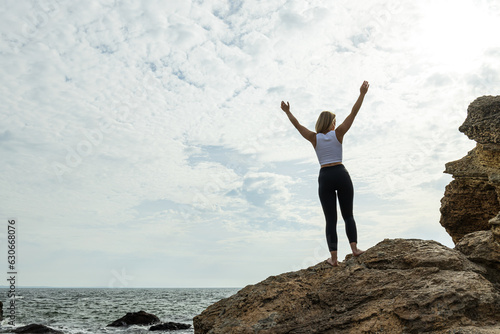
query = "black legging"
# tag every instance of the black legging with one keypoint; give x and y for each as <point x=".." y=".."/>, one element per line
<point x="336" y="180"/>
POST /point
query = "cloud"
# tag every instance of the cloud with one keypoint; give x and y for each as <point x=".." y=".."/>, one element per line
<point x="139" y="132"/>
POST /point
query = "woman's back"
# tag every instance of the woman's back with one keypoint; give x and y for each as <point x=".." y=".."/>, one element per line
<point x="328" y="148"/>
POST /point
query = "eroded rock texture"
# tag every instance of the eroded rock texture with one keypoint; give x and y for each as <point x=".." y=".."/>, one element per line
<point x="473" y="197"/>
<point x="483" y="121"/>
<point x="398" y="286"/>
<point x="495" y="227"/>
<point x="482" y="248"/>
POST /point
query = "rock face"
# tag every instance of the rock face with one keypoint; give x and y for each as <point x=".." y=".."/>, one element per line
<point x="135" y="318"/>
<point x="398" y="286"/>
<point x="473" y="197"/>
<point x="495" y="227"/>
<point x="482" y="248"/>
<point x="483" y="120"/>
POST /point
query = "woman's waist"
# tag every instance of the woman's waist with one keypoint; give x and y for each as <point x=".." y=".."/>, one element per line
<point x="332" y="164"/>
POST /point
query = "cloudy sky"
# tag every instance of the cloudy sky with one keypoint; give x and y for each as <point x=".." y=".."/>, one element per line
<point x="143" y="145"/>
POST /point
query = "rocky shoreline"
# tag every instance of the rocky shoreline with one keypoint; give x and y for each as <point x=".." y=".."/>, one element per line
<point x="140" y="318"/>
<point x="399" y="285"/>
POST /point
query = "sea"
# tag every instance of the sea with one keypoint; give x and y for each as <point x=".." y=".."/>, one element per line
<point x="89" y="310"/>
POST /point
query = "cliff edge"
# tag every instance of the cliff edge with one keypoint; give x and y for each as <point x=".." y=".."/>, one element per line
<point x="472" y="199"/>
<point x="399" y="285"/>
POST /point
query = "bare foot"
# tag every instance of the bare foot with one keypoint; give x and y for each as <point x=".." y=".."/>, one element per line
<point x="357" y="252"/>
<point x="331" y="262"/>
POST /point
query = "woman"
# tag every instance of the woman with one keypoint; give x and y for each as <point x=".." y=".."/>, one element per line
<point x="333" y="177"/>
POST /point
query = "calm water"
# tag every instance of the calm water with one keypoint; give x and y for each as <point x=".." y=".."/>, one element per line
<point x="88" y="310"/>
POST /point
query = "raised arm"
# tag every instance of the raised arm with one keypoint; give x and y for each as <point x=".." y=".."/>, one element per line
<point x="346" y="125"/>
<point x="305" y="132"/>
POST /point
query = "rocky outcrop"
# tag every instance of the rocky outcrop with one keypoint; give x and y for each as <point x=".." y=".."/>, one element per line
<point x="398" y="286"/>
<point x="36" y="328"/>
<point x="473" y="197"/>
<point x="135" y="318"/>
<point x="483" y="120"/>
<point x="467" y="206"/>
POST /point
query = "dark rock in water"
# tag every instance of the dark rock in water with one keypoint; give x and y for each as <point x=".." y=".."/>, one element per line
<point x="135" y="318"/>
<point x="35" y="329"/>
<point x="169" y="326"/>
<point x="397" y="286"/>
<point x="1" y="311"/>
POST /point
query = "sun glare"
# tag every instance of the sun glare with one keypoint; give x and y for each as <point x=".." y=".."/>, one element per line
<point x="455" y="34"/>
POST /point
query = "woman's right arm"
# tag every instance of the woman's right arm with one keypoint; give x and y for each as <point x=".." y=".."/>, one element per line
<point x="305" y="132"/>
<point x="346" y="124"/>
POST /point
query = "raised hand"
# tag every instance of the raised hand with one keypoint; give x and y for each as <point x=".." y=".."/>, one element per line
<point x="364" y="88"/>
<point x="285" y="106"/>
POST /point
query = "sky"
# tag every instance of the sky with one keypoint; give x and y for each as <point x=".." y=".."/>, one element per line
<point x="143" y="144"/>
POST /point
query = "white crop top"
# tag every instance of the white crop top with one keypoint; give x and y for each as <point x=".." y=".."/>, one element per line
<point x="328" y="148"/>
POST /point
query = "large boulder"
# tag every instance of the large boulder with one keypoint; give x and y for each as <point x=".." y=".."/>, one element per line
<point x="135" y="318"/>
<point x="397" y="286"/>
<point x="473" y="197"/>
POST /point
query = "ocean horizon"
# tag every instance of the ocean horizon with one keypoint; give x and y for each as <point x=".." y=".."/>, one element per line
<point x="84" y="310"/>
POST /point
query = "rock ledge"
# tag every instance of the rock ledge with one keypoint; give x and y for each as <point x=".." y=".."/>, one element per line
<point x="397" y="286"/>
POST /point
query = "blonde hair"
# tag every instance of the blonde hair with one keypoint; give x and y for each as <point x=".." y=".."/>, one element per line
<point x="325" y="122"/>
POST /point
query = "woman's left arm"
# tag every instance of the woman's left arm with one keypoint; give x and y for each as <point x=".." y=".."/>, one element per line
<point x="305" y="132"/>
<point x="346" y="124"/>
